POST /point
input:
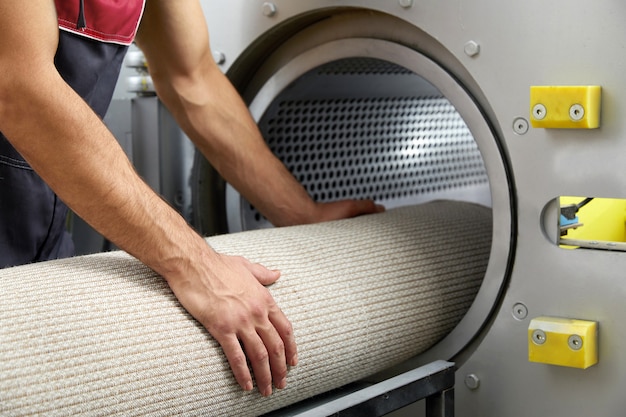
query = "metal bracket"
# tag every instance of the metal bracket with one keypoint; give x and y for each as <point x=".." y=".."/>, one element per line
<point x="433" y="382"/>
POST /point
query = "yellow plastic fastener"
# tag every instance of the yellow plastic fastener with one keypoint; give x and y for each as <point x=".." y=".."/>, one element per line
<point x="565" y="107"/>
<point x="563" y="342"/>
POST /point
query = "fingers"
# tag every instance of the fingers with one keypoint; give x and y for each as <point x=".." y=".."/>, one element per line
<point x="265" y="333"/>
<point x="230" y="300"/>
<point x="347" y="208"/>
<point x="269" y="349"/>
<point x="266" y="354"/>
<point x="284" y="330"/>
<point x="277" y="318"/>
<point x="366" y="207"/>
<point x="237" y="361"/>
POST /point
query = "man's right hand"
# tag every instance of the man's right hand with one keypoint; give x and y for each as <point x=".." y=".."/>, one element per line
<point x="231" y="302"/>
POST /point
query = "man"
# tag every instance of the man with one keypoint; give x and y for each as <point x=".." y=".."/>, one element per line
<point x="54" y="130"/>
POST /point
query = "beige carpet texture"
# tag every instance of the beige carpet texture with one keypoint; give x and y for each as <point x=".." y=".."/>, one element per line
<point x="103" y="335"/>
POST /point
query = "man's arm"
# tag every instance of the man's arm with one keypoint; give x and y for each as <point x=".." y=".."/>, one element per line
<point x="173" y="36"/>
<point x="71" y="149"/>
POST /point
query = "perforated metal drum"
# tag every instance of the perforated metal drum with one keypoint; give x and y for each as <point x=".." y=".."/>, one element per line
<point x="369" y="129"/>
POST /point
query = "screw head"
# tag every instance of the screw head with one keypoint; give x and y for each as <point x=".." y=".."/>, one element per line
<point x="472" y="381"/>
<point x="539" y="337"/>
<point x="575" y="342"/>
<point x="219" y="57"/>
<point x="406" y="3"/>
<point x="576" y="112"/>
<point x="539" y="111"/>
<point x="472" y="48"/>
<point x="520" y="126"/>
<point x="269" y="9"/>
<point x="520" y="311"/>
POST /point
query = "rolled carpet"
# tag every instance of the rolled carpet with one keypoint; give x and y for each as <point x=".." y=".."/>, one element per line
<point x="104" y="335"/>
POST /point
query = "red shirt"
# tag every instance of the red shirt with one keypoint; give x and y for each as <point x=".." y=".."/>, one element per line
<point x="114" y="21"/>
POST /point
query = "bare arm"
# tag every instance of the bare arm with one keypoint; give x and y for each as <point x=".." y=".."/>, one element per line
<point x="70" y="148"/>
<point x="174" y="38"/>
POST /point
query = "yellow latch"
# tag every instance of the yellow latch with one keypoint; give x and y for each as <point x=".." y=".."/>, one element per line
<point x="564" y="342"/>
<point x="572" y="107"/>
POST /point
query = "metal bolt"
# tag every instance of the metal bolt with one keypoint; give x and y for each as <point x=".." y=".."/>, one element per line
<point x="472" y="48"/>
<point x="219" y="57"/>
<point x="269" y="9"/>
<point x="576" y="112"/>
<point x="406" y="3"/>
<point x="539" y="337"/>
<point x="539" y="111"/>
<point x="520" y="126"/>
<point x="472" y="381"/>
<point x="575" y="342"/>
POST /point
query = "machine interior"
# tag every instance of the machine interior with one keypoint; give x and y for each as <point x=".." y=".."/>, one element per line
<point x="366" y="128"/>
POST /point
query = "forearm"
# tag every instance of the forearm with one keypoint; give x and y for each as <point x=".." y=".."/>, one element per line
<point x="71" y="149"/>
<point x="174" y="38"/>
<point x="217" y="120"/>
<point x="175" y="41"/>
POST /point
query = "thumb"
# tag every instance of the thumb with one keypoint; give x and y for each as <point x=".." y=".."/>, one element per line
<point x="263" y="275"/>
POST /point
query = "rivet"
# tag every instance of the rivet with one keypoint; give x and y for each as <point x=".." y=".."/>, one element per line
<point x="472" y="48"/>
<point x="269" y="9"/>
<point x="406" y="3"/>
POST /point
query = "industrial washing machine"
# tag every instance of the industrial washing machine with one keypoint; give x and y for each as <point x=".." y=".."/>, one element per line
<point x="510" y="105"/>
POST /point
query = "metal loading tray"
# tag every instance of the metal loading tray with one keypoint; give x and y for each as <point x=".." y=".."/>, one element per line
<point x="102" y="334"/>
